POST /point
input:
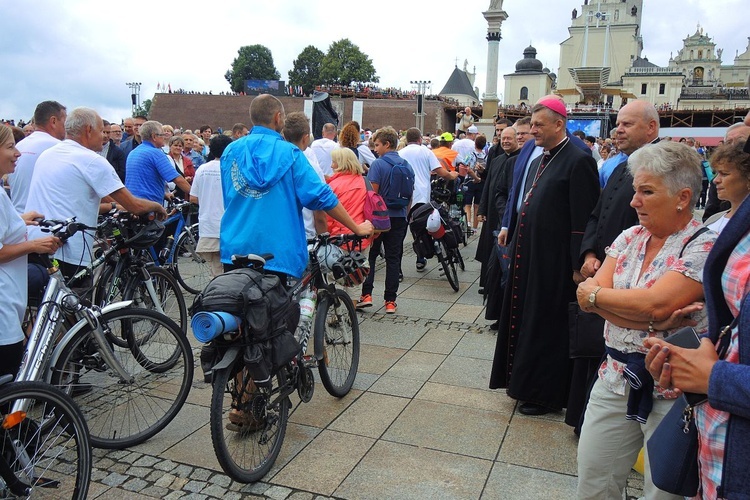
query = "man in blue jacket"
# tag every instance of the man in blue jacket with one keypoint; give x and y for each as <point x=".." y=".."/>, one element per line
<point x="266" y="182"/>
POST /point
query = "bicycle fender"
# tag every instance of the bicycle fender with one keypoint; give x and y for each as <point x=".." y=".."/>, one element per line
<point x="228" y="359"/>
<point x="115" y="306"/>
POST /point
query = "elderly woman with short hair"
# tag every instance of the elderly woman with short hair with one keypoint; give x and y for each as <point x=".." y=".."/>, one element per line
<point x="649" y="283"/>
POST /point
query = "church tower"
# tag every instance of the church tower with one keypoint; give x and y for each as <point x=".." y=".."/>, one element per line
<point x="605" y="39"/>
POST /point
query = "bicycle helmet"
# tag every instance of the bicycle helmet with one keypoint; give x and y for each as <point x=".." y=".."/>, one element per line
<point x="356" y="268"/>
<point x="439" y="192"/>
<point x="146" y="235"/>
<point x="329" y="256"/>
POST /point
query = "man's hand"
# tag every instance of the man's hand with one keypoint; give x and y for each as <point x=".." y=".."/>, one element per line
<point x="29" y="217"/>
<point x="590" y="265"/>
<point x="364" y="229"/>
<point x="452" y="176"/>
<point x="577" y="277"/>
<point x="502" y="238"/>
<point x="47" y="244"/>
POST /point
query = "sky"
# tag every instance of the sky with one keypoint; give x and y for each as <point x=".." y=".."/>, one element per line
<point x="84" y="52"/>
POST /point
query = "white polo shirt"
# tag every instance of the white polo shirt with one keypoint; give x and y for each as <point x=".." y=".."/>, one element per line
<point x="423" y="161"/>
<point x="20" y="180"/>
<point x="322" y="149"/>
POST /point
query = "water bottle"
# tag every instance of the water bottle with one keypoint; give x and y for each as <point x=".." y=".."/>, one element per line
<point x="164" y="252"/>
<point x="306" y="312"/>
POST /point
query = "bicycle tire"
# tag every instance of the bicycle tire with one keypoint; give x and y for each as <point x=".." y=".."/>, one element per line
<point x="192" y="271"/>
<point x="340" y="333"/>
<point x="106" y="293"/>
<point x="449" y="267"/>
<point x="247" y="456"/>
<point x="459" y="259"/>
<point x="55" y="440"/>
<point x="168" y="290"/>
<point x="123" y="414"/>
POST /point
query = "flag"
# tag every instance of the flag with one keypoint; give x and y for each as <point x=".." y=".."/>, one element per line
<point x="169" y="86"/>
<point x="158" y="85"/>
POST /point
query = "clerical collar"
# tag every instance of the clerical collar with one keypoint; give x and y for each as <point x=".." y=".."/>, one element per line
<point x="557" y="148"/>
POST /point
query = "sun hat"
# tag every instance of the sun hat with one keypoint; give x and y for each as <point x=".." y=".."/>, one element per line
<point x="472" y="130"/>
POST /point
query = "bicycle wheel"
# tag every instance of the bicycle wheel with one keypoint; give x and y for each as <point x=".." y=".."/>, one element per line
<point x="170" y="297"/>
<point x="191" y="270"/>
<point x="108" y="290"/>
<point x="449" y="267"/>
<point x="247" y="452"/>
<point x="339" y="329"/>
<point x="48" y="449"/>
<point x="122" y="413"/>
<point x="459" y="259"/>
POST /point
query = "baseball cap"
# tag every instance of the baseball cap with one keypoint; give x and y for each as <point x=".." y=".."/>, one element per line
<point x="554" y="104"/>
<point x="446" y="136"/>
<point x="472" y="130"/>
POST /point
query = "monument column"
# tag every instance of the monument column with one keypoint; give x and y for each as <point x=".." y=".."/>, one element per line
<point x="495" y="16"/>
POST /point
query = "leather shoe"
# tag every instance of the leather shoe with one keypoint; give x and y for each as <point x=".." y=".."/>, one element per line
<point x="534" y="409"/>
<point x="495" y="325"/>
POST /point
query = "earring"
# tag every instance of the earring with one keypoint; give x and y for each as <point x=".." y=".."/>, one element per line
<point x="679" y="208"/>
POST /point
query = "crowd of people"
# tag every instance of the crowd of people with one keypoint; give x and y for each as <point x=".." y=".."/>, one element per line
<point x="605" y="225"/>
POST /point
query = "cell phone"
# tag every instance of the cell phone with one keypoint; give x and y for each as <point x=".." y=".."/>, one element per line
<point x="685" y="337"/>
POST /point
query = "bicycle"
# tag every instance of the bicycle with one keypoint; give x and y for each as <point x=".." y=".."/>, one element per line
<point x="191" y="270"/>
<point x="248" y="453"/>
<point x="129" y="275"/>
<point x="44" y="443"/>
<point x="128" y="391"/>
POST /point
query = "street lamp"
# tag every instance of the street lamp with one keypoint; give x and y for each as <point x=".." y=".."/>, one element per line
<point x="135" y="95"/>
<point x="421" y="86"/>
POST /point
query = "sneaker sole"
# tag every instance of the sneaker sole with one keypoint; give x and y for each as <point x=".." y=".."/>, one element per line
<point x="363" y="306"/>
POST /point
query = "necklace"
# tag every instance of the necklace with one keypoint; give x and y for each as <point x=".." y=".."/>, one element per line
<point x="542" y="167"/>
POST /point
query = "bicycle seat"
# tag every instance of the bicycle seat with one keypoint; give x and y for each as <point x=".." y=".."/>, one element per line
<point x="251" y="260"/>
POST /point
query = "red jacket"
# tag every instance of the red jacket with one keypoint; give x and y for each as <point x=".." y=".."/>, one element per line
<point x="351" y="191"/>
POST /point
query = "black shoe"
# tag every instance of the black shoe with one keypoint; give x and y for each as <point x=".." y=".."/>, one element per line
<point x="534" y="409"/>
<point x="495" y="325"/>
<point x="480" y="291"/>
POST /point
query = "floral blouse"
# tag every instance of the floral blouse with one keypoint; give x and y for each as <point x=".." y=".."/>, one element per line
<point x="712" y="423"/>
<point x="629" y="251"/>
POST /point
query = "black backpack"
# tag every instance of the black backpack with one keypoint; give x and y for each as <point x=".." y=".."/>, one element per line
<point x="400" y="186"/>
<point x="259" y="299"/>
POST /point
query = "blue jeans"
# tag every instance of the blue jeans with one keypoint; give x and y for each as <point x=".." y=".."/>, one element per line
<point x="393" y="244"/>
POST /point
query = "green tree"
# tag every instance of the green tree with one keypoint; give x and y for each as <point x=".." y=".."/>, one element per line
<point x="253" y="62"/>
<point x="144" y="109"/>
<point x="345" y="63"/>
<point x="306" y="69"/>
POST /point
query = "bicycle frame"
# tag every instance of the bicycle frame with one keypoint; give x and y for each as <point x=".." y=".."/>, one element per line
<point x="182" y="225"/>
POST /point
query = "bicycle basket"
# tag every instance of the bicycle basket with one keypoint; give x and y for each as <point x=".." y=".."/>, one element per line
<point x="144" y="235"/>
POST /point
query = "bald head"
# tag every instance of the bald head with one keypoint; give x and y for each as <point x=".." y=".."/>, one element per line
<point x="737" y="132"/>
<point x="329" y="131"/>
<point x="637" y="125"/>
<point x="267" y="111"/>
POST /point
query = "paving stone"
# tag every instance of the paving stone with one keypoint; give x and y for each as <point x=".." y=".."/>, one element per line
<point x="114" y="479"/>
<point x="438" y="341"/>
<point x="221" y="480"/>
<point x="277" y="492"/>
<point x="130" y="458"/>
<point x="195" y="486"/>
<point x="135" y="484"/>
<point x="395" y="386"/>
<point x="300" y="495"/>
<point x="165" y="465"/>
<point x="258" y="488"/>
<point x="120" y="467"/>
<point x="195" y="496"/>
<point x="154" y="476"/>
<point x="558" y="453"/>
<point x="484" y="399"/>
<point x="178" y="483"/>
<point x="215" y="490"/>
<point x="464" y="372"/>
<point x="146" y="461"/>
<point x="139" y="471"/>
<point x="182" y="471"/>
<point x="201" y="474"/>
<point x="103" y="463"/>
<point x="165" y="481"/>
<point x="233" y="495"/>
<point x="416" y="365"/>
<point x="361" y="419"/>
<point x="511" y="482"/>
<point x="377" y="359"/>
<point x="118" y="454"/>
<point x="98" y="474"/>
<point x="174" y="495"/>
<point x="155" y="491"/>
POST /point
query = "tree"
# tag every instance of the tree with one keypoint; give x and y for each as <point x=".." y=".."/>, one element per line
<point x="144" y="109"/>
<point x="253" y="62"/>
<point x="345" y="63"/>
<point x="306" y="69"/>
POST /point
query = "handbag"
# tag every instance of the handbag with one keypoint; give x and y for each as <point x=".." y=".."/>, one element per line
<point x="586" y="333"/>
<point x="673" y="451"/>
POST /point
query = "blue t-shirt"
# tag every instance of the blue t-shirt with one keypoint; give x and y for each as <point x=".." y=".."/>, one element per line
<point x="380" y="174"/>
<point x="147" y="170"/>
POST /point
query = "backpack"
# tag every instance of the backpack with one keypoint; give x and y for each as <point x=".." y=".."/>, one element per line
<point x="376" y="210"/>
<point x="401" y="185"/>
<point x="259" y="299"/>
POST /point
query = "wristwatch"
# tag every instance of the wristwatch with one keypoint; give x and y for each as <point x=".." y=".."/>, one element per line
<point x="592" y="296"/>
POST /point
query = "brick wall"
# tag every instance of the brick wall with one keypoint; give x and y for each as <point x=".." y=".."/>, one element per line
<point x="193" y="110"/>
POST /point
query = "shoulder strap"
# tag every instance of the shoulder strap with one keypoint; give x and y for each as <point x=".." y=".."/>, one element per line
<point x="368" y="185"/>
<point x="692" y="238"/>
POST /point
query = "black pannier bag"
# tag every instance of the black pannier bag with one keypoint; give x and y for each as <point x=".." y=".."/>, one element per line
<point x="422" y="240"/>
<point x="264" y="305"/>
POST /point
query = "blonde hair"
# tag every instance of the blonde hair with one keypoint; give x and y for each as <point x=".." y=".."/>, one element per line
<point x="346" y="161"/>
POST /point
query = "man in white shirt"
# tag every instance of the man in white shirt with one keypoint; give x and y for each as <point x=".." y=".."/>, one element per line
<point x="323" y="147"/>
<point x="71" y="178"/>
<point x="465" y="146"/>
<point x="49" y="119"/>
<point x="424" y="162"/>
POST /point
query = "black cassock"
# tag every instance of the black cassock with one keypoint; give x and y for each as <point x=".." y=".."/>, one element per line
<point x="531" y="355"/>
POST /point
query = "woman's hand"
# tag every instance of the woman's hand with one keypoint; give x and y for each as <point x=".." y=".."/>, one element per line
<point x="29" y="217"/>
<point x="47" y="244"/>
<point x="584" y="290"/>
<point x="685" y="369"/>
<point x="679" y="318"/>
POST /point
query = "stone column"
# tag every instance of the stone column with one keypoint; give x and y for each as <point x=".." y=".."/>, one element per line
<point x="494" y="16"/>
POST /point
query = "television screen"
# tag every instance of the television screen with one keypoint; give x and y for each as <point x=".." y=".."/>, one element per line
<point x="589" y="126"/>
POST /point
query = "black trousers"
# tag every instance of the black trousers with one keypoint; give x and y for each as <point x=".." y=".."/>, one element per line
<point x="393" y="244"/>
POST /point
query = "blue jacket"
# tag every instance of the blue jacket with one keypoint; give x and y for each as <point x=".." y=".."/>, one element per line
<point x="729" y="383"/>
<point x="266" y="181"/>
<point x="510" y="215"/>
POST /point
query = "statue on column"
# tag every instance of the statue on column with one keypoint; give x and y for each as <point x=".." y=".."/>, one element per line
<point x="496" y="5"/>
<point x="575" y="13"/>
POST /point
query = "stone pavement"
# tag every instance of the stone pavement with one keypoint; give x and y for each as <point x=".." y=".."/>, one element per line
<point x="419" y="423"/>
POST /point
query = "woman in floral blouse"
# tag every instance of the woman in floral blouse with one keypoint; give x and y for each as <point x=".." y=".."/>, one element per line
<point x="649" y="282"/>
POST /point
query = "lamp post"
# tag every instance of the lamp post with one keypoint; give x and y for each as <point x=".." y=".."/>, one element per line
<point x="421" y="86"/>
<point x="135" y="95"/>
